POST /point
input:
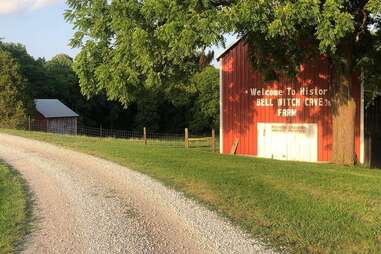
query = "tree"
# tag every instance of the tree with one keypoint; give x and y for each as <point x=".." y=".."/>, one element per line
<point x="32" y="70"/>
<point x="13" y="100"/>
<point x="205" y="111"/>
<point x="128" y="44"/>
<point x="62" y="82"/>
<point x="282" y="34"/>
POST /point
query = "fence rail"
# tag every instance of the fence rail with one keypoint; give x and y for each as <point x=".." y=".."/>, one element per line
<point x="144" y="136"/>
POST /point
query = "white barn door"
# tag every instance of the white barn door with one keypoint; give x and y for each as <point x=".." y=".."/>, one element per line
<point x="297" y="142"/>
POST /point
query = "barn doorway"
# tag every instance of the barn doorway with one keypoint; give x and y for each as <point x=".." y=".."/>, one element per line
<point x="284" y="141"/>
<point x="373" y="134"/>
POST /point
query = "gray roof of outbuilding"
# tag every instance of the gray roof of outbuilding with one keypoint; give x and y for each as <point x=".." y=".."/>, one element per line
<point x="52" y="108"/>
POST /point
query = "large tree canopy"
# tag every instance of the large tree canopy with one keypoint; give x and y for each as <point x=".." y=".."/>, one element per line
<point x="127" y="45"/>
<point x="283" y="33"/>
<point x="130" y="44"/>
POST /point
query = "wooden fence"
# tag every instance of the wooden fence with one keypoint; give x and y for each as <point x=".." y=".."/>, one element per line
<point x="144" y="136"/>
<point x="210" y="140"/>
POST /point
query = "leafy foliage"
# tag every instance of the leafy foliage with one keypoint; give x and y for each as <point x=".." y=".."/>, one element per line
<point x="32" y="70"/>
<point x="129" y="44"/>
<point x="62" y="81"/>
<point x="206" y="110"/>
<point x="165" y="110"/>
<point x="282" y="34"/>
<point x="13" y="99"/>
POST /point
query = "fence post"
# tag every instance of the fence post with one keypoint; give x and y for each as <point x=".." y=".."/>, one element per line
<point x="29" y="122"/>
<point x="213" y="141"/>
<point x="145" y="135"/>
<point x="186" y="138"/>
<point x="100" y="130"/>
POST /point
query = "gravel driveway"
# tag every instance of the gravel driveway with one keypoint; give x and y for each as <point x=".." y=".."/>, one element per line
<point x="88" y="205"/>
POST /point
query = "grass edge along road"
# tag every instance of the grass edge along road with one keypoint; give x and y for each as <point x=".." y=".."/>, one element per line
<point x="14" y="213"/>
<point x="299" y="207"/>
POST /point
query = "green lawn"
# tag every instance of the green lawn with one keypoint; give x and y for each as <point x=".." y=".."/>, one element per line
<point x="302" y="207"/>
<point x="13" y="209"/>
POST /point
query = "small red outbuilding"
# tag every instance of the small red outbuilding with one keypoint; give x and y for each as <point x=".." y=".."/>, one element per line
<point x="54" y="116"/>
<point x="289" y="119"/>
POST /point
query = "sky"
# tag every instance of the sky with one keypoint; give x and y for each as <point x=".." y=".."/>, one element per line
<point x="40" y="26"/>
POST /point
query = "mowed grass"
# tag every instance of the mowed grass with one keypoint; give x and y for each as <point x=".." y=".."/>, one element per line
<point x="13" y="209"/>
<point x="296" y="207"/>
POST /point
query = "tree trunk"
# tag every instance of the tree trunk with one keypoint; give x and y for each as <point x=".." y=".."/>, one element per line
<point x="344" y="113"/>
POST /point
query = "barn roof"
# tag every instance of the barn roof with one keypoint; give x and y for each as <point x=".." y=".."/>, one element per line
<point x="53" y="108"/>
<point x="228" y="48"/>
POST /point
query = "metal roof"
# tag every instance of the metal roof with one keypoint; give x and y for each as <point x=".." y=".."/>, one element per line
<point x="52" y="108"/>
<point x="228" y="48"/>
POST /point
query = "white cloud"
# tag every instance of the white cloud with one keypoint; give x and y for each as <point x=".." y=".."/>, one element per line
<point x="11" y="6"/>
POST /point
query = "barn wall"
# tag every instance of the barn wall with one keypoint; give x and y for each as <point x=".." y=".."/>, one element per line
<point x="241" y="114"/>
<point x="40" y="123"/>
<point x="64" y="125"/>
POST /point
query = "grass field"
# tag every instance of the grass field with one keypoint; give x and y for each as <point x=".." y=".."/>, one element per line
<point x="300" y="207"/>
<point x="13" y="209"/>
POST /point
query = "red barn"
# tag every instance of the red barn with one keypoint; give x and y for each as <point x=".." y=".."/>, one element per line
<point x="289" y="119"/>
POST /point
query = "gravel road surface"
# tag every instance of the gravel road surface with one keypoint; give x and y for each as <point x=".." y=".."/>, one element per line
<point x="84" y="204"/>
